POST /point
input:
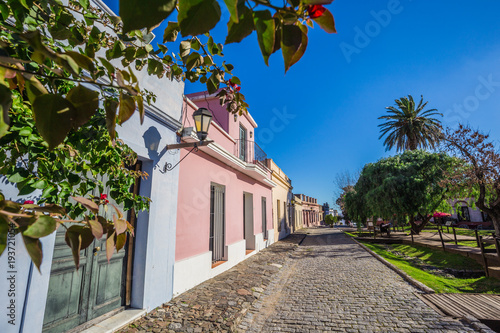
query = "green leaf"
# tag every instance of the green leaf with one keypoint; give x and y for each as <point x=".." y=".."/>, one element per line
<point x="207" y="60"/>
<point x="84" y="4"/>
<point x="60" y="32"/>
<point x="195" y="44"/>
<point x="26" y="188"/>
<point x="4" y="9"/>
<point x="235" y="80"/>
<point x="228" y="67"/>
<point x="194" y="60"/>
<point x="34" y="248"/>
<point x="10" y="206"/>
<point x="34" y="38"/>
<point x="302" y="49"/>
<point x="116" y="51"/>
<point x="140" y="107"/>
<point x="265" y="27"/>
<point x="326" y="22"/>
<point x="126" y="109"/>
<point x="74" y="241"/>
<point x="277" y="35"/>
<point x="4" y="230"/>
<point x="184" y="48"/>
<point x="291" y="39"/>
<point x="89" y="204"/>
<point x="40" y="184"/>
<point x="34" y="88"/>
<point x="5" y="104"/>
<point x="121" y="239"/>
<point x="53" y="118"/>
<point x="212" y="84"/>
<point x="155" y="67"/>
<point x="48" y="192"/>
<point x="51" y="208"/>
<point x="232" y="7"/>
<point x="110" y="68"/>
<point x="110" y="106"/>
<point x="110" y="246"/>
<point x="236" y="31"/>
<point x="18" y="176"/>
<point x="43" y="226"/>
<point x="26" y="131"/>
<point x="85" y="101"/>
<point x="87" y="237"/>
<point x="197" y="17"/>
<point x="120" y="225"/>
<point x="171" y="32"/>
<point x="25" y="5"/>
<point x="82" y="60"/>
<point x="96" y="228"/>
<point x="138" y="14"/>
<point x="68" y="63"/>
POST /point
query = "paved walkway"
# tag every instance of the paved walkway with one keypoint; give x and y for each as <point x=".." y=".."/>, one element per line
<point x="332" y="284"/>
<point x="328" y="284"/>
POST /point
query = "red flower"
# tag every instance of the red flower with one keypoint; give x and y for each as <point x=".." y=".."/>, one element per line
<point x="104" y="196"/>
<point x="106" y="202"/>
<point x="315" y="11"/>
<point x="27" y="202"/>
<point x="234" y="86"/>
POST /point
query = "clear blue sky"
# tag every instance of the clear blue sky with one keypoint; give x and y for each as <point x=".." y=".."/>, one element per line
<point x="447" y="51"/>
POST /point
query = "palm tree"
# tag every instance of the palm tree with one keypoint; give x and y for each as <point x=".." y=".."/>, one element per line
<point x="409" y="127"/>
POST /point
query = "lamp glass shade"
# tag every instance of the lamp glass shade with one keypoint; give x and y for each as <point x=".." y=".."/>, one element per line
<point x="202" y="119"/>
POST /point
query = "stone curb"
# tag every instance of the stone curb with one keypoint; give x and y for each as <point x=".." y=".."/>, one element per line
<point x="417" y="284"/>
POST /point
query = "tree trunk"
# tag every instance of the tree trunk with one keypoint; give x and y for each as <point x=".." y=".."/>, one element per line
<point x="495" y="219"/>
<point x="417" y="228"/>
<point x="492" y="211"/>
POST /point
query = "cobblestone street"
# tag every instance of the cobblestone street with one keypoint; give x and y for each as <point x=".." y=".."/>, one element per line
<point x="332" y="284"/>
<point x="327" y="284"/>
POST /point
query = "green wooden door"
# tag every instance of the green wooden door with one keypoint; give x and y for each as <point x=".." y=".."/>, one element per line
<point x="75" y="297"/>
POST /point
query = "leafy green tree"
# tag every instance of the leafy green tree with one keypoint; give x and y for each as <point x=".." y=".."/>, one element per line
<point x="412" y="184"/>
<point x="409" y="126"/>
<point x="480" y="177"/>
<point x="329" y="219"/>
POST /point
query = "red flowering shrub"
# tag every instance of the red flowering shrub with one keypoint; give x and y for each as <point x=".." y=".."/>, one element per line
<point x="104" y="196"/>
<point x="315" y="11"/>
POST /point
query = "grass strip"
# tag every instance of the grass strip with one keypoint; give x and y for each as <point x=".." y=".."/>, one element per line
<point x="432" y="257"/>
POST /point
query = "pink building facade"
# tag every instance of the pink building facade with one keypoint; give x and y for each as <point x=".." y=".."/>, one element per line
<point x="312" y="214"/>
<point x="224" y="211"/>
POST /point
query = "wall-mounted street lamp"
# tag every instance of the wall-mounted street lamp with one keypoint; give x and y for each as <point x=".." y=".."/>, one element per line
<point x="202" y="119"/>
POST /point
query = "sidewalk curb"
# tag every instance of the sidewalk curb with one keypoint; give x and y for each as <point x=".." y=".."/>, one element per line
<point x="417" y="284"/>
